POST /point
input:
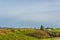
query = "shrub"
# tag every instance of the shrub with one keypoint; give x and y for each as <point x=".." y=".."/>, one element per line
<point x="41" y="34"/>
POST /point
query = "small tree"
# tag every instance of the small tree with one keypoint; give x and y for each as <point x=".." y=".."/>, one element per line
<point x="42" y="27"/>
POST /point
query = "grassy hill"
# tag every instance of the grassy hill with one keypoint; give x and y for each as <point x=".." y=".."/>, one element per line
<point x="15" y="34"/>
<point x="23" y="34"/>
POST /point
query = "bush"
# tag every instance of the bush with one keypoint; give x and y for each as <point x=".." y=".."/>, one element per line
<point x="41" y="34"/>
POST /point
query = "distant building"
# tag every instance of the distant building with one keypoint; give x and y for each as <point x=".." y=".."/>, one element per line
<point x="48" y="28"/>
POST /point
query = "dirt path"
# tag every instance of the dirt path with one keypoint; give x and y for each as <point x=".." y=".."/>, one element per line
<point x="57" y="38"/>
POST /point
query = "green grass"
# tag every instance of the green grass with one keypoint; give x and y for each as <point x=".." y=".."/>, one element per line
<point x="19" y="34"/>
<point x="55" y="30"/>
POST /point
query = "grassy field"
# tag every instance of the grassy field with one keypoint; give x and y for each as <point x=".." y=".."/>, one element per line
<point x="55" y="30"/>
<point x="19" y="34"/>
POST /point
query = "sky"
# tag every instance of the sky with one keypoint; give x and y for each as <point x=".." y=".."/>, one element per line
<point x="29" y="13"/>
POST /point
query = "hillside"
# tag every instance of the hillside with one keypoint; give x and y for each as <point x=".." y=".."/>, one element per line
<point x="23" y="34"/>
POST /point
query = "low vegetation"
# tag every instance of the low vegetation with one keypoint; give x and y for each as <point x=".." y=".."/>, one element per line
<point x="27" y="34"/>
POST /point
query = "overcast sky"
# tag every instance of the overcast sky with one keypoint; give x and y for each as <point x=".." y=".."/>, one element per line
<point x="46" y="12"/>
